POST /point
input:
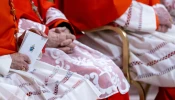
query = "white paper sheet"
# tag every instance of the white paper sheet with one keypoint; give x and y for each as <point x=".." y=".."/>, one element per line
<point x="32" y="46"/>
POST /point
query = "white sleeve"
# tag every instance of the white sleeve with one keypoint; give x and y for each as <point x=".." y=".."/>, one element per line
<point x="5" y="63"/>
<point x="26" y="24"/>
<point x="138" y="17"/>
<point x="54" y="14"/>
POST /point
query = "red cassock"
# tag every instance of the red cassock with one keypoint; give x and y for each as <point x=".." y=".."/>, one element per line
<point x="7" y="30"/>
<point x="88" y="14"/>
<point x="29" y="13"/>
<point x="150" y="2"/>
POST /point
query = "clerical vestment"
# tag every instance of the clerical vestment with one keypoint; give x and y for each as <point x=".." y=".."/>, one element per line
<point x="151" y="52"/>
<point x="7" y="31"/>
<point x="91" y="66"/>
<point x="20" y="85"/>
<point x="86" y="14"/>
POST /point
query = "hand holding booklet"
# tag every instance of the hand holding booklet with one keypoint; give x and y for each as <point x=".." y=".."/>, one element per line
<point x="32" y="46"/>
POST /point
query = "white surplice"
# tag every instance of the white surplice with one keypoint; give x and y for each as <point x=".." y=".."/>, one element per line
<point x="46" y="82"/>
<point x="152" y="53"/>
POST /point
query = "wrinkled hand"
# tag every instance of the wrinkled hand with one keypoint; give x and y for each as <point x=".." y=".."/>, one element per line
<point x="65" y="39"/>
<point x="68" y="44"/>
<point x="170" y="6"/>
<point x="162" y="28"/>
<point x="20" y="39"/>
<point x="164" y="18"/>
<point x="20" y="61"/>
<point x="62" y="30"/>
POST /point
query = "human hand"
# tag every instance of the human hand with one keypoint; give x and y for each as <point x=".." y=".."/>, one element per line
<point x="62" y="30"/>
<point x="20" y="61"/>
<point x="163" y="16"/>
<point x="67" y="45"/>
<point x="66" y="39"/>
<point x="54" y="39"/>
<point x="162" y="28"/>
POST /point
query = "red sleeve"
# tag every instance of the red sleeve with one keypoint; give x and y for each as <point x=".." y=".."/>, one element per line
<point x="44" y="5"/>
<point x="62" y="23"/>
<point x="157" y="22"/>
<point x="154" y="2"/>
<point x="150" y="2"/>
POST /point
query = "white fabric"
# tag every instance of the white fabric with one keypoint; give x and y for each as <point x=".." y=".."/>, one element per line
<point x="25" y="24"/>
<point x="93" y="65"/>
<point x="46" y="82"/>
<point x="152" y="55"/>
<point x="5" y="63"/>
<point x="138" y="17"/>
<point x="54" y="14"/>
<point x="99" y="69"/>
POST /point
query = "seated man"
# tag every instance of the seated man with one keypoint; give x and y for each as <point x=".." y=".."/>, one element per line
<point x="145" y="21"/>
<point x="21" y="85"/>
<point x="106" y="77"/>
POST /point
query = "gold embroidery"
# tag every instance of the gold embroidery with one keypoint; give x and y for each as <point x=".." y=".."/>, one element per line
<point x="35" y="9"/>
<point x="13" y="13"/>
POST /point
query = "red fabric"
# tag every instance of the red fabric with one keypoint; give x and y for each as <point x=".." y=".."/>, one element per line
<point x="7" y="30"/>
<point x="149" y="2"/>
<point x="166" y="94"/>
<point x="118" y="96"/>
<point x="55" y="23"/>
<point x="24" y="9"/>
<point x="88" y="14"/>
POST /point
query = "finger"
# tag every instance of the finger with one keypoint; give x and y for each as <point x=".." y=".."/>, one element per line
<point x="164" y="29"/>
<point x="66" y="30"/>
<point x="169" y="24"/>
<point x="25" y="66"/>
<point x="53" y="29"/>
<point x="159" y="28"/>
<point x="62" y="29"/>
<point x="57" y="30"/>
<point x="34" y="30"/>
<point x="65" y="49"/>
<point x="66" y="42"/>
<point x="43" y="34"/>
<point x="26" y="59"/>
<point x="69" y="52"/>
<point x="72" y="45"/>
<point x="70" y="36"/>
<point x="38" y="32"/>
